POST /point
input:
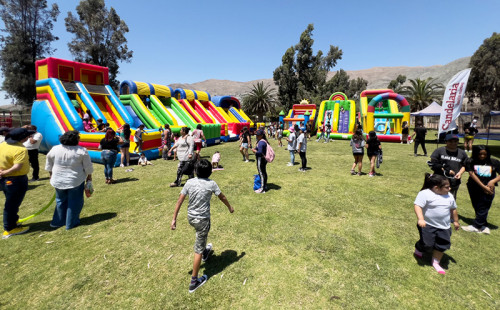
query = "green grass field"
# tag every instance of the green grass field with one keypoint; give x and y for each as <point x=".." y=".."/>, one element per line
<point x="317" y="240"/>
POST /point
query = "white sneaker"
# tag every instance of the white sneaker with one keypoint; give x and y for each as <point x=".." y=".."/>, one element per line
<point x="470" y="228"/>
<point x="485" y="230"/>
<point x="247" y="161"/>
<point x="289" y="164"/>
<point x="121" y="165"/>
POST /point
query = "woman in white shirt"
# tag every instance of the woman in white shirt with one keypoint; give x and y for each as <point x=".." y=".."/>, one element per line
<point x="69" y="166"/>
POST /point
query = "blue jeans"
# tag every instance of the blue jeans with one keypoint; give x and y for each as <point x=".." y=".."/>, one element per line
<point x="109" y="158"/>
<point x="14" y="189"/>
<point x="292" y="157"/>
<point x="69" y="204"/>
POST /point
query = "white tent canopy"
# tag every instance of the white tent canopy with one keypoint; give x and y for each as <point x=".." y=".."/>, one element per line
<point x="434" y="109"/>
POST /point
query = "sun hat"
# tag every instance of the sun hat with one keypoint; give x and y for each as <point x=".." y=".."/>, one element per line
<point x="451" y="136"/>
<point x="18" y="134"/>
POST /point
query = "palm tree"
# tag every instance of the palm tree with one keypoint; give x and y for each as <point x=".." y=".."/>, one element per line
<point x="421" y="93"/>
<point x="259" y="100"/>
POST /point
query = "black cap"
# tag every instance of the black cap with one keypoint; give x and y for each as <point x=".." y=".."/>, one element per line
<point x="17" y="134"/>
<point x="451" y="136"/>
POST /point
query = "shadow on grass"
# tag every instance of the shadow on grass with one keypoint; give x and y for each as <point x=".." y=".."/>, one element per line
<point x="33" y="186"/>
<point x="217" y="263"/>
<point x="125" y="180"/>
<point x="96" y="218"/>
<point x="273" y="186"/>
<point x="470" y="221"/>
<point x="426" y="260"/>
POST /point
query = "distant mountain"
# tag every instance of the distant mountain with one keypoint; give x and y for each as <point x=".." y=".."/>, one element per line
<point x="378" y="77"/>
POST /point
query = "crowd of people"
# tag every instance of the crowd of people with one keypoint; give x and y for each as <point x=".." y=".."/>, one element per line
<point x="71" y="170"/>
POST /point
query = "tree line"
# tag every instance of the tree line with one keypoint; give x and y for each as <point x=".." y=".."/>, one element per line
<point x="303" y="75"/>
<point x="98" y="38"/>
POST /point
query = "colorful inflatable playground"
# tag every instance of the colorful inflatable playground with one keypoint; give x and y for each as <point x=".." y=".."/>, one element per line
<point x="66" y="90"/>
<point x="340" y="113"/>
<point x="300" y="114"/>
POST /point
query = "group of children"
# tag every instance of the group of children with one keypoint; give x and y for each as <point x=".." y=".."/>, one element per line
<point x="358" y="145"/>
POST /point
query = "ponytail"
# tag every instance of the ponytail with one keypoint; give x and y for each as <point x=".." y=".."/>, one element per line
<point x="432" y="180"/>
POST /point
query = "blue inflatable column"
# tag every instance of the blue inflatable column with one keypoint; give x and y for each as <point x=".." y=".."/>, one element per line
<point x="307" y="115"/>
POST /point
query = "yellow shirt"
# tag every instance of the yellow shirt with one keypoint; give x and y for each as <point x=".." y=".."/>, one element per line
<point x="11" y="154"/>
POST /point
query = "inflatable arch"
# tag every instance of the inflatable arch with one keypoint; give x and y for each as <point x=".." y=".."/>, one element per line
<point x="399" y="117"/>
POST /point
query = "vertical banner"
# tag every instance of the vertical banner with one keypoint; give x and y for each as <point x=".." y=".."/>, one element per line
<point x="452" y="101"/>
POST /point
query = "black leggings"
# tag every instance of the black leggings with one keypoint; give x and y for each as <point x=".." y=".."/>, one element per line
<point x="261" y="169"/>
<point x="181" y="172"/>
<point x="422" y="143"/>
<point x="303" y="159"/>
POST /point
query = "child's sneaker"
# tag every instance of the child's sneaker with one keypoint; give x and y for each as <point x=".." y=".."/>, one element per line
<point x="289" y="164"/>
<point x="16" y="231"/>
<point x="121" y="166"/>
<point x="359" y="174"/>
<point x="206" y="253"/>
<point x="371" y="174"/>
<point x="199" y="282"/>
<point x="353" y="172"/>
<point x="260" y="191"/>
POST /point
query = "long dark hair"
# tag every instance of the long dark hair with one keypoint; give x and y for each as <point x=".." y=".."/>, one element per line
<point x="358" y="135"/>
<point x="126" y="130"/>
<point x="476" y="149"/>
<point x="432" y="180"/>
<point x="372" y="135"/>
<point x="110" y="134"/>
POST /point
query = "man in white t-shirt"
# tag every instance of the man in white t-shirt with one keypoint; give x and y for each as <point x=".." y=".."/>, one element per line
<point x="32" y="145"/>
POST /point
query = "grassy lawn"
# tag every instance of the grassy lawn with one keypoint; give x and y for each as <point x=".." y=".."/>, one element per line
<point x="320" y="239"/>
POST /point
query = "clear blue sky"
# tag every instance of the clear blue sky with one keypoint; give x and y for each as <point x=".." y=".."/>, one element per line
<point x="192" y="41"/>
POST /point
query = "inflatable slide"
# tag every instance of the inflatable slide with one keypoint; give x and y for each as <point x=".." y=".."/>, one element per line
<point x="340" y="113"/>
<point x="380" y="112"/>
<point x="230" y="108"/>
<point x="300" y="114"/>
<point x="65" y="91"/>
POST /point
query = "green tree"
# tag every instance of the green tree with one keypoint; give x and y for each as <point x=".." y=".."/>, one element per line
<point x="484" y="79"/>
<point x="287" y="80"/>
<point x="260" y="100"/>
<point x="99" y="37"/>
<point x="303" y="74"/>
<point x="356" y="86"/>
<point x="397" y="84"/>
<point x="27" y="37"/>
<point x="421" y="93"/>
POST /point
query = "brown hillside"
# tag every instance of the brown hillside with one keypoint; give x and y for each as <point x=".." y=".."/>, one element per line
<point x="378" y="77"/>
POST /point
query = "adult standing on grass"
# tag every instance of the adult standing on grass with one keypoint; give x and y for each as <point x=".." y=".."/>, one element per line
<point x="184" y="147"/>
<point x="260" y="158"/>
<point x="14" y="167"/>
<point x="32" y="145"/>
<point x="69" y="166"/>
<point x="419" y="134"/>
<point x="292" y="146"/>
<point x="198" y="137"/>
<point x="302" y="147"/>
<point x="484" y="175"/>
<point x="199" y="190"/>
<point x="449" y="161"/>
<point x="246" y="142"/>
<point x="433" y="207"/>
<point x="125" y="133"/>
<point x="109" y="151"/>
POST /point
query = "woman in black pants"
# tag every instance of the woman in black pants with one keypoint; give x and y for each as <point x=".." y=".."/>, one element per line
<point x="260" y="156"/>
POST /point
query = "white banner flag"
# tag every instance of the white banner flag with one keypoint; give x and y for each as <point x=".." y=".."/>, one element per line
<point x="452" y="100"/>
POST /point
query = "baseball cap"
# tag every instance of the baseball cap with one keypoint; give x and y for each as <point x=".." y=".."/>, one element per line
<point x="451" y="136"/>
<point x="18" y="134"/>
<point x="259" y="132"/>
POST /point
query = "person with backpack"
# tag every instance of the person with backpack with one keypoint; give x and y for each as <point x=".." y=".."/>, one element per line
<point x="260" y="152"/>
<point x="302" y="147"/>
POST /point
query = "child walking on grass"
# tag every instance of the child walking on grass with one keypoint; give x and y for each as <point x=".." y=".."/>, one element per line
<point x="200" y="191"/>
<point x="358" y="151"/>
<point x="372" y="150"/>
<point x="433" y="206"/>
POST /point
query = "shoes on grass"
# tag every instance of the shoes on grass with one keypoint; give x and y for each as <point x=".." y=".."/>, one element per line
<point x="33" y="180"/>
<point x="260" y="191"/>
<point x="359" y="174"/>
<point x="470" y="228"/>
<point x="418" y="254"/>
<point x="289" y="164"/>
<point x="16" y="231"/>
<point x="199" y="282"/>
<point x="485" y="230"/>
<point x="173" y="184"/>
<point x="371" y="174"/>
<point x="206" y="253"/>
<point x="122" y="165"/>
